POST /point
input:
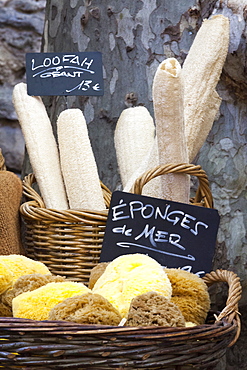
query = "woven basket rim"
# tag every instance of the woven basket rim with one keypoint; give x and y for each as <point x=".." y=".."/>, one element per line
<point x="35" y="209"/>
<point x="203" y="195"/>
<point x="70" y="327"/>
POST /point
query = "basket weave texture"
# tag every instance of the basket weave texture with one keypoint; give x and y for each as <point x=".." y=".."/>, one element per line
<point x="63" y="345"/>
<point x="68" y="242"/>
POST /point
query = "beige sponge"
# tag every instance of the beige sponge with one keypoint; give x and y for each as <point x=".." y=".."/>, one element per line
<point x="190" y="294"/>
<point x="87" y="308"/>
<point x="152" y="309"/>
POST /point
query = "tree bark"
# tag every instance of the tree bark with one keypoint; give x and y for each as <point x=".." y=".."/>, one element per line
<point x="134" y="37"/>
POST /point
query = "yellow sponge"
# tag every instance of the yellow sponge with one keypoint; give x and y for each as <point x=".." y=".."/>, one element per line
<point x="6" y="277"/>
<point x="27" y="283"/>
<point x="130" y="275"/>
<point x="37" y="304"/>
<point x="21" y="265"/>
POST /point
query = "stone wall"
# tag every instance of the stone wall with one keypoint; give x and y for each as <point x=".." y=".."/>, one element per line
<point x="21" y="28"/>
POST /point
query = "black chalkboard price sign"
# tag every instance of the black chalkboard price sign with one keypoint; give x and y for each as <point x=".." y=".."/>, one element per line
<point x="175" y="234"/>
<point x="64" y="74"/>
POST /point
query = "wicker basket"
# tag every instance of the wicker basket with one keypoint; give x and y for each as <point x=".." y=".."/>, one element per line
<point x="68" y="242"/>
<point x="203" y="196"/>
<point x="63" y="345"/>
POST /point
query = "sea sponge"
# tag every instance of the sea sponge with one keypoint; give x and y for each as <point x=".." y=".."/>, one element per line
<point x="6" y="277"/>
<point x="130" y="275"/>
<point x="5" y="311"/>
<point x="28" y="283"/>
<point x="153" y="309"/>
<point x="87" y="308"/>
<point x="96" y="272"/>
<point x="21" y="265"/>
<point x="190" y="294"/>
<point x="37" y="304"/>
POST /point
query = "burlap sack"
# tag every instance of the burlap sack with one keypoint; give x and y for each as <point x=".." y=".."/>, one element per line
<point x="10" y="199"/>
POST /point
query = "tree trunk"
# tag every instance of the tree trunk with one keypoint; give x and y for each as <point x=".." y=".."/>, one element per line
<point x="134" y="37"/>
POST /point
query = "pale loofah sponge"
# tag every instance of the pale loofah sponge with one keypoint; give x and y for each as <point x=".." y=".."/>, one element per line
<point x="152" y="309"/>
<point x="130" y="275"/>
<point x="190" y="294"/>
<point x="37" y="304"/>
<point x="20" y="265"/>
<point x="85" y="309"/>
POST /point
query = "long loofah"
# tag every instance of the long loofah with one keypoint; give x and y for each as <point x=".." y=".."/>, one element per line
<point x="133" y="138"/>
<point x="41" y="146"/>
<point x="77" y="161"/>
<point x="201" y="72"/>
<point x="151" y="160"/>
<point x="169" y="119"/>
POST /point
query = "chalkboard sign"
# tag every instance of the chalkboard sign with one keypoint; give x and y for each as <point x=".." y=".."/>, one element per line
<point x="64" y="74"/>
<point x="175" y="234"/>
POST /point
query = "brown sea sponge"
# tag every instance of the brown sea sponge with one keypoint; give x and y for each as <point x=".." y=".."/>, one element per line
<point x="5" y="311"/>
<point x="96" y="272"/>
<point x="190" y="294"/>
<point x="27" y="283"/>
<point x="85" y="309"/>
<point x="153" y="309"/>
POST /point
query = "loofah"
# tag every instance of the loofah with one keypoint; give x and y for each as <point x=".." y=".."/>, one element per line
<point x="41" y="146"/>
<point x="37" y="304"/>
<point x="190" y="294"/>
<point x="152" y="309"/>
<point x="28" y="283"/>
<point x="78" y="165"/>
<point x="168" y="94"/>
<point x="86" y="309"/>
<point x="130" y="275"/>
